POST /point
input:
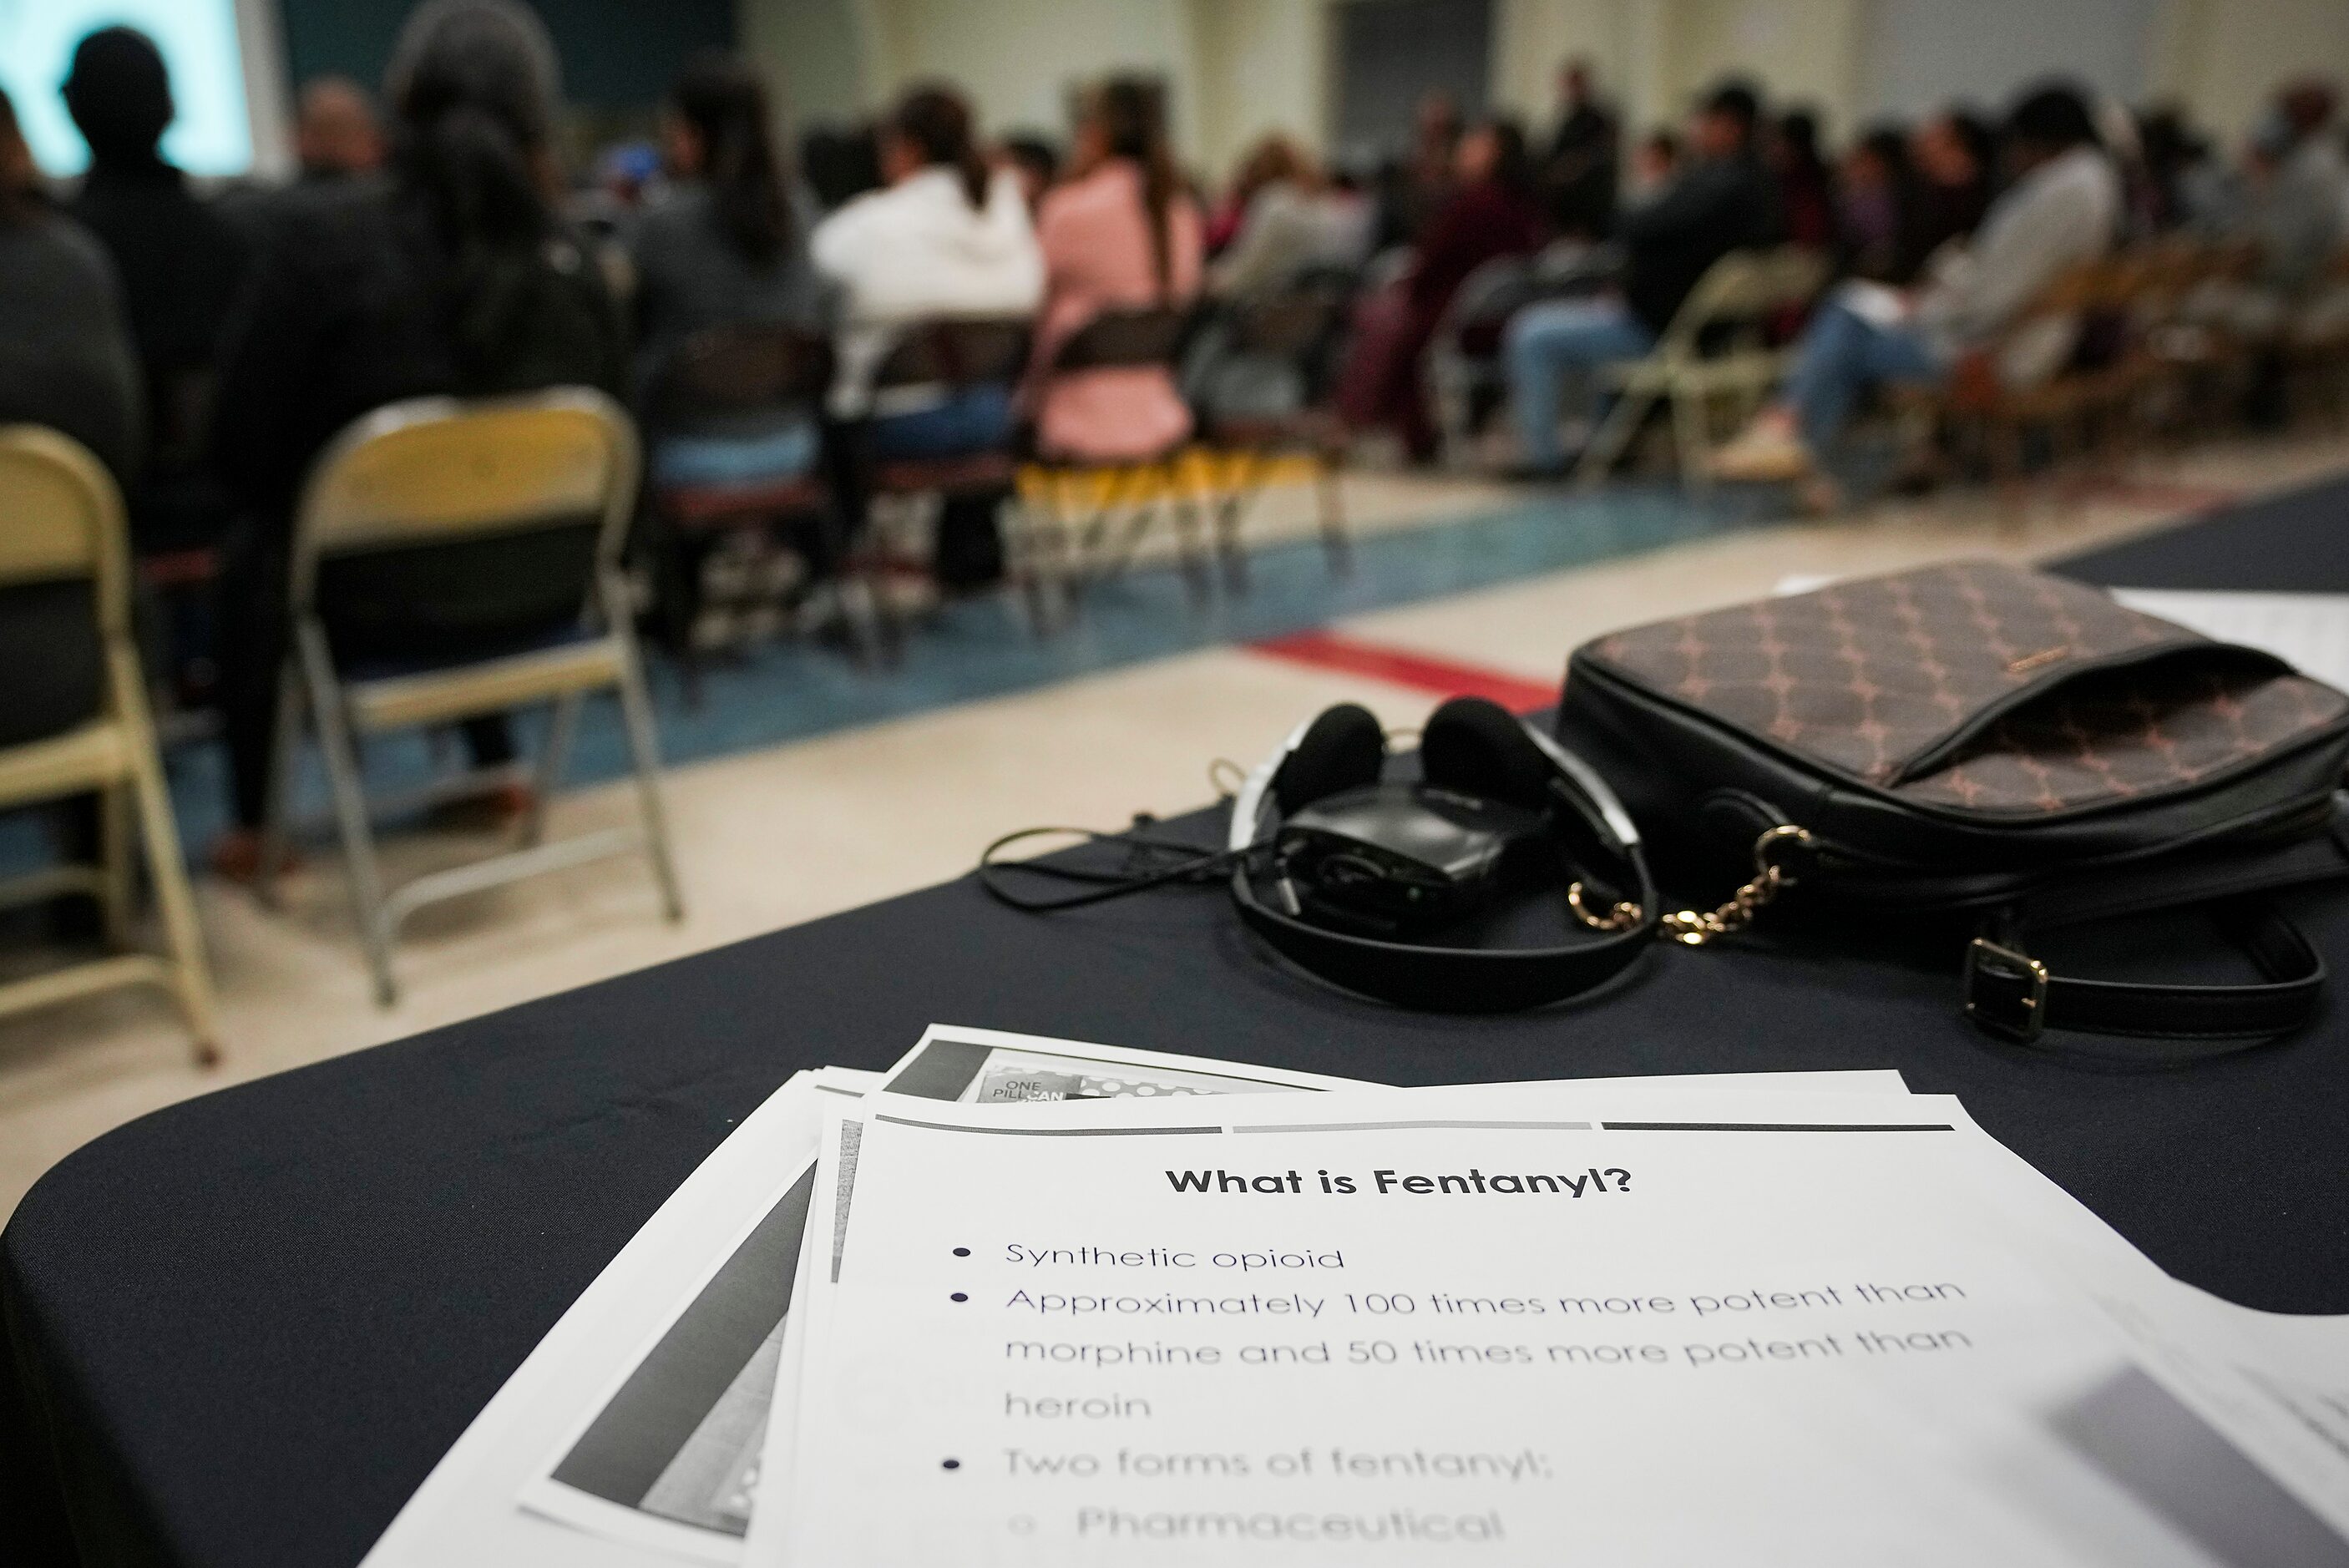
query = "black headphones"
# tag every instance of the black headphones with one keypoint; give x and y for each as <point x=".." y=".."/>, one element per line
<point x="1475" y="758"/>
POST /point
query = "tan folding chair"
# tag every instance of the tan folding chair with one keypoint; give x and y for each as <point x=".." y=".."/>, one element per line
<point x="437" y="471"/>
<point x="62" y="522"/>
<point x="1714" y="348"/>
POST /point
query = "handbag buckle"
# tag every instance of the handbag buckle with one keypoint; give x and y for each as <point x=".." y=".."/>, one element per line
<point x="2006" y="991"/>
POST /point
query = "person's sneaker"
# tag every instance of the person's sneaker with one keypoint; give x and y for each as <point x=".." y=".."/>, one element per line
<point x="1765" y="454"/>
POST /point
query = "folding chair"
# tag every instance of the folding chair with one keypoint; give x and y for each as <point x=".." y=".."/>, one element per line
<point x="718" y="381"/>
<point x="1290" y="331"/>
<point x="64" y="535"/>
<point x="1071" y="506"/>
<point x="1464" y="353"/>
<point x="932" y="361"/>
<point x="1715" y="347"/>
<point x="553" y="473"/>
<point x="2066" y="367"/>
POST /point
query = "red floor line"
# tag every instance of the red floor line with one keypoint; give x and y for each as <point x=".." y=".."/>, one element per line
<point x="1325" y="650"/>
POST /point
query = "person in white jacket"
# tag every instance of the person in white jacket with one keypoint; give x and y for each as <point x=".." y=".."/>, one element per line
<point x="947" y="236"/>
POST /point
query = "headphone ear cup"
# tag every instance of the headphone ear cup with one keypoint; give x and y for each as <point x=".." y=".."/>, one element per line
<point x="1342" y="750"/>
<point x="1476" y="747"/>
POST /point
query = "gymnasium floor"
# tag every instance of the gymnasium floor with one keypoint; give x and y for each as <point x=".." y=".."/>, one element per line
<point x="800" y="786"/>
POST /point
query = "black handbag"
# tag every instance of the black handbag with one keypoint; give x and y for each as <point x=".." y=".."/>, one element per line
<point x="1987" y="740"/>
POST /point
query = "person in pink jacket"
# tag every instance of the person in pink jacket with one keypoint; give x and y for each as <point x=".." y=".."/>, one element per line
<point x="1121" y="234"/>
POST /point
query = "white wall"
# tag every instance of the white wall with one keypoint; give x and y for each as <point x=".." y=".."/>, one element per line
<point x="1261" y="66"/>
<point x="1238" y="68"/>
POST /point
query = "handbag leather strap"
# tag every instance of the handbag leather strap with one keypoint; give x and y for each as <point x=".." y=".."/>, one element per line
<point x="2010" y="993"/>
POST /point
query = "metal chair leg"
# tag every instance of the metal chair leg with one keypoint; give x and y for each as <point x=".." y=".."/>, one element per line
<point x="350" y="806"/>
<point x="562" y="723"/>
<point x="284" y="755"/>
<point x="1693" y="440"/>
<point x="1608" y="442"/>
<point x="644" y="753"/>
<point x="1337" y="538"/>
<point x="192" y="983"/>
<point x="116" y="863"/>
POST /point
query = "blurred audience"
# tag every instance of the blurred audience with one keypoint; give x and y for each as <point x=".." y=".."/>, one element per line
<point x="180" y="262"/>
<point x="2062" y="205"/>
<point x="1577" y="171"/>
<point x="946" y="236"/>
<point x="1654" y="161"/>
<point x="66" y="357"/>
<point x="839" y="163"/>
<point x="1494" y="211"/>
<point x="1037" y="164"/>
<point x="720" y="244"/>
<point x="1807" y="186"/>
<point x="2296" y="211"/>
<point x="1878" y="213"/>
<point x="1287" y="222"/>
<point x="1723" y="200"/>
<point x="1417" y="188"/>
<point x="454" y="277"/>
<point x="336" y="136"/>
<point x="1954" y="153"/>
<point x="1120" y="235"/>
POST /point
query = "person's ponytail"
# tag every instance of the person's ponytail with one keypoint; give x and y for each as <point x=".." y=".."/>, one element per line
<point x="936" y="121"/>
<point x="1133" y="126"/>
<point x="722" y="100"/>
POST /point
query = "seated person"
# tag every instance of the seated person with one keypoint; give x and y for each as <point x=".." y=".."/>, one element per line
<point x="719" y="249"/>
<point x="1120" y="234"/>
<point x="1492" y="211"/>
<point x="453" y="276"/>
<point x="66" y="357"/>
<point x="180" y="263"/>
<point x="1288" y="223"/>
<point x="2062" y="206"/>
<point x="1720" y="199"/>
<point x="946" y="236"/>
<point x="66" y="362"/>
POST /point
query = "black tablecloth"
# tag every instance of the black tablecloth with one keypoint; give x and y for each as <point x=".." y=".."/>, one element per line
<point x="243" y="1329"/>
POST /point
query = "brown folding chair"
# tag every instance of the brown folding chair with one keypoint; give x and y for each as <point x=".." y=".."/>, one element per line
<point x="1081" y="519"/>
<point x="722" y="378"/>
<point x="1295" y="329"/>
<point x="929" y="362"/>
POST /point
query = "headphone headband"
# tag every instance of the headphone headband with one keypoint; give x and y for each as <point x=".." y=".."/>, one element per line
<point x="1454" y="979"/>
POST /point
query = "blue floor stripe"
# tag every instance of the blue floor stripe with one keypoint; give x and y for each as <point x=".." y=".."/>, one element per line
<point x="977" y="649"/>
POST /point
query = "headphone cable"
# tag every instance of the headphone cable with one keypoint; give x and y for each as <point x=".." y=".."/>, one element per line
<point x="1196" y="866"/>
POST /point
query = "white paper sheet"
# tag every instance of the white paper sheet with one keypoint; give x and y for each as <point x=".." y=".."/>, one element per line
<point x="2310" y="631"/>
<point x="947" y="1064"/>
<point x="1738" y="1337"/>
<point x="466" y="1512"/>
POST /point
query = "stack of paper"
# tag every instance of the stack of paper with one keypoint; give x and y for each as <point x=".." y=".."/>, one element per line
<point x="1029" y="1301"/>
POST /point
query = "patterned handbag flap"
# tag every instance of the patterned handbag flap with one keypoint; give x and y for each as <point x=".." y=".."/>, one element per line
<point x="1980" y="686"/>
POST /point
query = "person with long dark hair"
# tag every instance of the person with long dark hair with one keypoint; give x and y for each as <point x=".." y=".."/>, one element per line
<point x="1120" y="235"/>
<point x="455" y="276"/>
<point x="947" y="235"/>
<point x="722" y="248"/>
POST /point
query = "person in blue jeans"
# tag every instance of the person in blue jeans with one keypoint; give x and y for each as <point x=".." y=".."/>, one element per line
<point x="2061" y="207"/>
<point x="1722" y="201"/>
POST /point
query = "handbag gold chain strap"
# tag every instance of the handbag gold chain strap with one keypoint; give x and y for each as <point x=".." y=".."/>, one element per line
<point x="1695" y="927"/>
